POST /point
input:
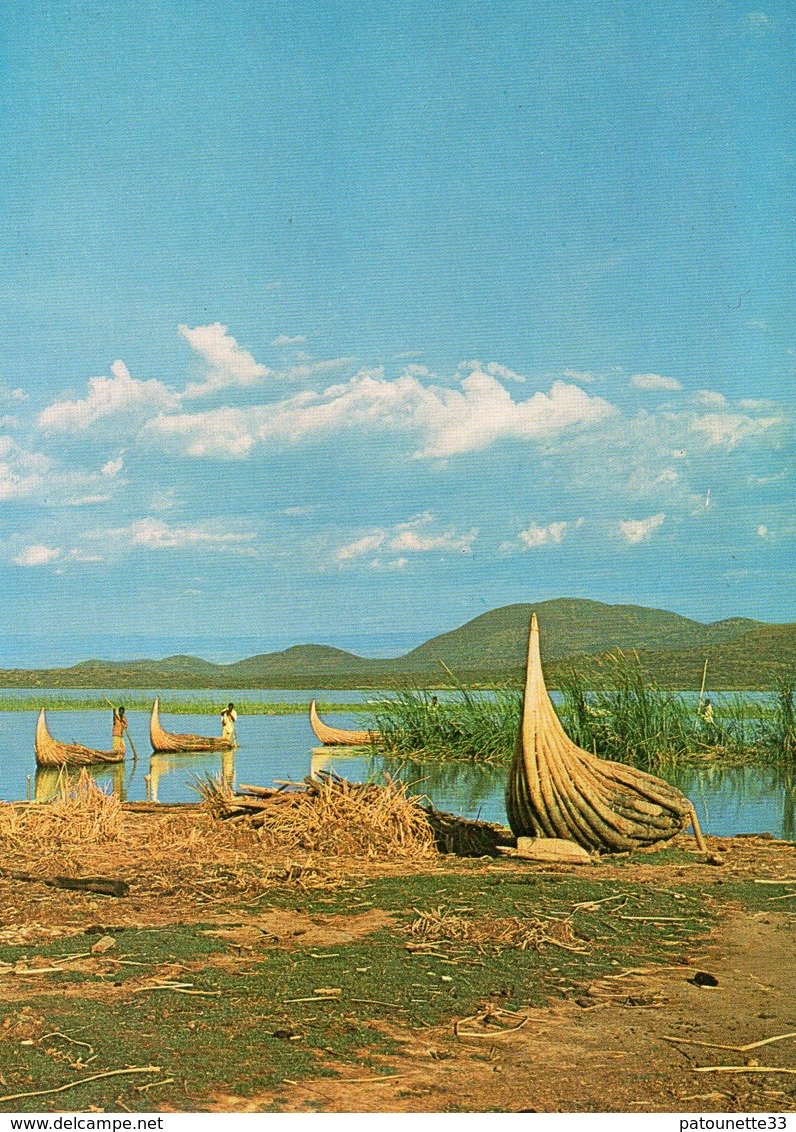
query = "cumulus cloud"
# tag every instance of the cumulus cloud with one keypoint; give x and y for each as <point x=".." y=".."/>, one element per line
<point x="653" y="381"/>
<point x="37" y="555"/>
<point x="640" y="530"/>
<point x="227" y="363"/>
<point x="418" y="535"/>
<point x="445" y="421"/>
<point x="107" y="397"/>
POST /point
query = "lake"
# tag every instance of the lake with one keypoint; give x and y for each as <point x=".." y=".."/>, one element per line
<point x="728" y="801"/>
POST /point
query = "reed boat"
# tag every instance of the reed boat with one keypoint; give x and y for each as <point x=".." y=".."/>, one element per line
<point x="339" y="736"/>
<point x="163" y="741"/>
<point x="556" y="789"/>
<point x="49" y="752"/>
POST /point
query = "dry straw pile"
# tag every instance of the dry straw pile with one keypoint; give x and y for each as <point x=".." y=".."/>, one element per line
<point x="80" y="814"/>
<point x="330" y="816"/>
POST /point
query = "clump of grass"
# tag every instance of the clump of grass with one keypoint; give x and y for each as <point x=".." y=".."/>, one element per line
<point x="414" y="724"/>
<point x="782" y="733"/>
<point x="80" y="814"/>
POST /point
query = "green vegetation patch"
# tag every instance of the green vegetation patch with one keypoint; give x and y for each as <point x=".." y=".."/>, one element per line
<point x="266" y="1018"/>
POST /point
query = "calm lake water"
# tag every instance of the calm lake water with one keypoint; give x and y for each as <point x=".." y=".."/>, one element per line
<point x="730" y="801"/>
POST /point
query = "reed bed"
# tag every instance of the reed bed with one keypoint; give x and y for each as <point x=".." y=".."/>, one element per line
<point x="472" y="727"/>
<point x="608" y="708"/>
<point x="81" y="813"/>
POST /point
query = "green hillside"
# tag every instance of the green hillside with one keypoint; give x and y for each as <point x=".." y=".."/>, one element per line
<point x="741" y="653"/>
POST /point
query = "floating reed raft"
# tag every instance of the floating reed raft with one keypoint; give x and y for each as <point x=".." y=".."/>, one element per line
<point x="49" y="752"/>
<point x="556" y="789"/>
<point x="165" y="742"/>
<point x="339" y="736"/>
<point x="331" y="815"/>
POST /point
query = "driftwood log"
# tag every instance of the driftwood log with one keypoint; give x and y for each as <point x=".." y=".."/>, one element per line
<point x="104" y="886"/>
<point x="556" y="789"/>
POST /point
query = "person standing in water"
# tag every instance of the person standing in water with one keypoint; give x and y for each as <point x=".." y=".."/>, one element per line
<point x="119" y="728"/>
<point x="228" y="718"/>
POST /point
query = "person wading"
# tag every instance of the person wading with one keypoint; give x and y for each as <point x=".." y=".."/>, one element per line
<point x="228" y="718"/>
<point x="119" y="729"/>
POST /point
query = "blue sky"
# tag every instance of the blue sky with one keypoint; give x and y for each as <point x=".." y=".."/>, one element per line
<point x="347" y="322"/>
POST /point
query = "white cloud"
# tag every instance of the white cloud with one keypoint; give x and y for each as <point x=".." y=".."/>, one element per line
<point x="417" y="535"/>
<point x="78" y="555"/>
<point x="154" y="534"/>
<point x="288" y="340"/>
<point x="578" y="375"/>
<point x="108" y="396"/>
<point x="113" y="467"/>
<point x="390" y="564"/>
<point x="497" y="370"/>
<point x="9" y="396"/>
<point x="653" y="381"/>
<point x="227" y="363"/>
<point x="639" y="530"/>
<point x="365" y="545"/>
<point x="446" y="421"/>
<point x="534" y="537"/>
<point x="729" y="429"/>
<point x="37" y="555"/>
<point x="762" y="531"/>
<point x="710" y="399"/>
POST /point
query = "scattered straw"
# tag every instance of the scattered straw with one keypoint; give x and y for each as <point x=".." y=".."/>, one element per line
<point x="439" y="924"/>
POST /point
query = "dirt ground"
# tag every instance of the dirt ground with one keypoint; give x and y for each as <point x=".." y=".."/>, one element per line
<point x="636" y="1039"/>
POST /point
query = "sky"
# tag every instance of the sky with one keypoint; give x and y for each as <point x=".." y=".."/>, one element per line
<point x="346" y="322"/>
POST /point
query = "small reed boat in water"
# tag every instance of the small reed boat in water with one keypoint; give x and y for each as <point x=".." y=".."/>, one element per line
<point x="49" y="752"/>
<point x="164" y="741"/>
<point x="339" y="736"/>
<point x="556" y="789"/>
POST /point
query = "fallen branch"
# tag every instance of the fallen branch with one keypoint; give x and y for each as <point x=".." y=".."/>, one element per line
<point x="104" y="886"/>
<point x="84" y="1081"/>
<point x="733" y="1049"/>
<point x="736" y="1069"/>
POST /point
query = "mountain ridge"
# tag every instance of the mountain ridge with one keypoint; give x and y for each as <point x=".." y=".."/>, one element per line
<point x="741" y="652"/>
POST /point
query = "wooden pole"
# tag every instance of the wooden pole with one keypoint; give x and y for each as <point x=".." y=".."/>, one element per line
<point x="702" y="689"/>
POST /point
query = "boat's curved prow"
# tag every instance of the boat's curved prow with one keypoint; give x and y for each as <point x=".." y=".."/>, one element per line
<point x="51" y="753"/>
<point x="165" y="742"/>
<point x="556" y="789"/>
<point x="338" y="736"/>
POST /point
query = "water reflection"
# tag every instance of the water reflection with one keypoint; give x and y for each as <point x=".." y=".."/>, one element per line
<point x="187" y="766"/>
<point x="51" y="781"/>
<point x="741" y="799"/>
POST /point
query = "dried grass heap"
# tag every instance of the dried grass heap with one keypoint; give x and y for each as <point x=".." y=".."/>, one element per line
<point x="80" y="814"/>
<point x="441" y="925"/>
<point x="330" y="816"/>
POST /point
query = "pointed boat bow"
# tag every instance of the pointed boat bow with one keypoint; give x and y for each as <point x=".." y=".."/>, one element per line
<point x="556" y="789"/>
<point x="338" y="736"/>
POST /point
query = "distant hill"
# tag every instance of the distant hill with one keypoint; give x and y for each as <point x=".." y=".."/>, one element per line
<point x="741" y="653"/>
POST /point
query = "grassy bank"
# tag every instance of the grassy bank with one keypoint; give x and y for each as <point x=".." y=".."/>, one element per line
<point x="626" y="719"/>
<point x="169" y="707"/>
